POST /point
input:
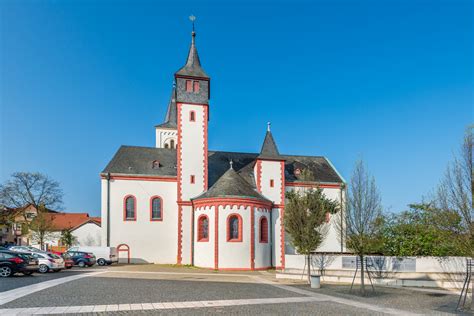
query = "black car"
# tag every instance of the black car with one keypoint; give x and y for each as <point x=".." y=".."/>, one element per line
<point x="82" y="259"/>
<point x="13" y="262"/>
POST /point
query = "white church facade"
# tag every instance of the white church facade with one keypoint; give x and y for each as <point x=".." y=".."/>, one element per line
<point x="181" y="203"/>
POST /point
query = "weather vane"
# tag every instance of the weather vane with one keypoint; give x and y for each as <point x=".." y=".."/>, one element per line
<point x="192" y="18"/>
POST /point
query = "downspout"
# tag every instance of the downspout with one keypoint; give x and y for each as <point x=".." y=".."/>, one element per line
<point x="108" y="209"/>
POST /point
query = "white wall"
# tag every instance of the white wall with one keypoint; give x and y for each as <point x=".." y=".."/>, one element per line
<point x="234" y="254"/>
<point x="271" y="170"/>
<point x="88" y="235"/>
<point x="204" y="251"/>
<point x="149" y="241"/>
<point x="276" y="237"/>
<point x="192" y="149"/>
<point x="332" y="241"/>
<point x="164" y="136"/>
<point x="262" y="250"/>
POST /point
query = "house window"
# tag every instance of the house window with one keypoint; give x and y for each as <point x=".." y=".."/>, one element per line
<point x="263" y="229"/>
<point x="189" y="86"/>
<point x="192" y="116"/>
<point x="234" y="228"/>
<point x="172" y="144"/>
<point x="130" y="208"/>
<point x="272" y="183"/>
<point x="192" y="179"/>
<point x="196" y="86"/>
<point x="156" y="209"/>
<point x="203" y="228"/>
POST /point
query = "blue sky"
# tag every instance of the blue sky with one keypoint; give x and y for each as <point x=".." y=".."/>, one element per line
<point x="390" y="82"/>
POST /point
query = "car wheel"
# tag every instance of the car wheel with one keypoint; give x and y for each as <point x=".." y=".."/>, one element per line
<point x="43" y="268"/>
<point x="28" y="272"/>
<point x="6" y="271"/>
<point x="101" y="262"/>
<point x="81" y="264"/>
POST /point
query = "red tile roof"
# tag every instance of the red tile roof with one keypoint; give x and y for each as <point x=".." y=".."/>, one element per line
<point x="63" y="221"/>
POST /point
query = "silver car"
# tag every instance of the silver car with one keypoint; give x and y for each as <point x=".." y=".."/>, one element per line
<point x="49" y="261"/>
<point x="24" y="249"/>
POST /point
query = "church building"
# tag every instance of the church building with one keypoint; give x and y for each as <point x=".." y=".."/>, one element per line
<point x="181" y="203"/>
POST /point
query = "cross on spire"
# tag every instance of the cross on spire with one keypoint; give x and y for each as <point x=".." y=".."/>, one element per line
<point x="192" y="18"/>
<point x="268" y="126"/>
<point x="231" y="163"/>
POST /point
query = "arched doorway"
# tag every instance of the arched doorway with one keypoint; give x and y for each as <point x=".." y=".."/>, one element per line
<point x="123" y="249"/>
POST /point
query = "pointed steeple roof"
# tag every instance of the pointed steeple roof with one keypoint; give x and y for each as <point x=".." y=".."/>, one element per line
<point x="171" y="113"/>
<point x="229" y="185"/>
<point x="269" y="147"/>
<point x="192" y="68"/>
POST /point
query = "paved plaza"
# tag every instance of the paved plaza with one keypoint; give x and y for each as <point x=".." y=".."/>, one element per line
<point x="153" y="289"/>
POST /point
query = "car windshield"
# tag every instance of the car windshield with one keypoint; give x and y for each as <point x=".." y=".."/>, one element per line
<point x="25" y="256"/>
<point x="66" y="255"/>
<point x="54" y="256"/>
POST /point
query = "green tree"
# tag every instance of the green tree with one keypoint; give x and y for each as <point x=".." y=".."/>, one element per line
<point x="423" y="230"/>
<point x="67" y="238"/>
<point x="41" y="226"/>
<point x="362" y="223"/>
<point x="305" y="215"/>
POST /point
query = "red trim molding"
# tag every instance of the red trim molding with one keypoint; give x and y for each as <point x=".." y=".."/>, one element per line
<point x="185" y="203"/>
<point x="216" y="237"/>
<point x="126" y="249"/>
<point x="313" y="185"/>
<point x="205" y="145"/>
<point x="259" y="175"/>
<point x="151" y="209"/>
<point x="282" y="214"/>
<point x="227" y="223"/>
<point x="142" y="178"/>
<point x="233" y="201"/>
<point x="125" y="208"/>
<point x="252" y="238"/>
<point x="180" y="234"/>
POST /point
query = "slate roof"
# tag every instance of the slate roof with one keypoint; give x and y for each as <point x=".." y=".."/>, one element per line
<point x="133" y="160"/>
<point x="269" y="148"/>
<point x="231" y="184"/>
<point x="192" y="67"/>
<point x="171" y="113"/>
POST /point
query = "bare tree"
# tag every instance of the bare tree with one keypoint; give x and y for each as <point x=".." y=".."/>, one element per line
<point x="305" y="215"/>
<point x="42" y="227"/>
<point x="361" y="224"/>
<point x="455" y="192"/>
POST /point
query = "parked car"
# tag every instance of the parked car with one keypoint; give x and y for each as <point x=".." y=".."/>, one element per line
<point x="68" y="262"/>
<point x="49" y="261"/>
<point x="82" y="259"/>
<point x="12" y="262"/>
<point x="24" y="249"/>
<point x="104" y="255"/>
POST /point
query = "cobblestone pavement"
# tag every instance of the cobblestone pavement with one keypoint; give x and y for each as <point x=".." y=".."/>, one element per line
<point x="168" y="290"/>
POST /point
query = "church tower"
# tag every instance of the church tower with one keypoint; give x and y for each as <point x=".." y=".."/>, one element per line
<point x="192" y="105"/>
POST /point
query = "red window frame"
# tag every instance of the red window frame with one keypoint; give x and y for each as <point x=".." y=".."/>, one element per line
<point x="192" y="116"/>
<point x="263" y="230"/>
<point x="151" y="209"/>
<point x="272" y="183"/>
<point x="125" y="218"/>
<point x="189" y="86"/>
<point x="200" y="238"/>
<point x="192" y="179"/>
<point x="239" y="238"/>
<point x="196" y="86"/>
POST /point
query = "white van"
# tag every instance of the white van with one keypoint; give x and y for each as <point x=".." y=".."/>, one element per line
<point x="104" y="255"/>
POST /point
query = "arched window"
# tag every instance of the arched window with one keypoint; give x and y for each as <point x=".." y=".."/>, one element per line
<point x="234" y="228"/>
<point x="172" y="144"/>
<point x="129" y="208"/>
<point x="156" y="208"/>
<point x="203" y="228"/>
<point x="263" y="229"/>
<point x="192" y="116"/>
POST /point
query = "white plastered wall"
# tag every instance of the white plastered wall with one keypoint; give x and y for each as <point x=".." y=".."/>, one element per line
<point x="192" y="150"/>
<point x="332" y="241"/>
<point x="149" y="241"/>
<point x="164" y="136"/>
<point x="186" y="241"/>
<point x="234" y="254"/>
<point x="262" y="250"/>
<point x="204" y="251"/>
<point x="276" y="237"/>
<point x="271" y="170"/>
<point x="88" y="234"/>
